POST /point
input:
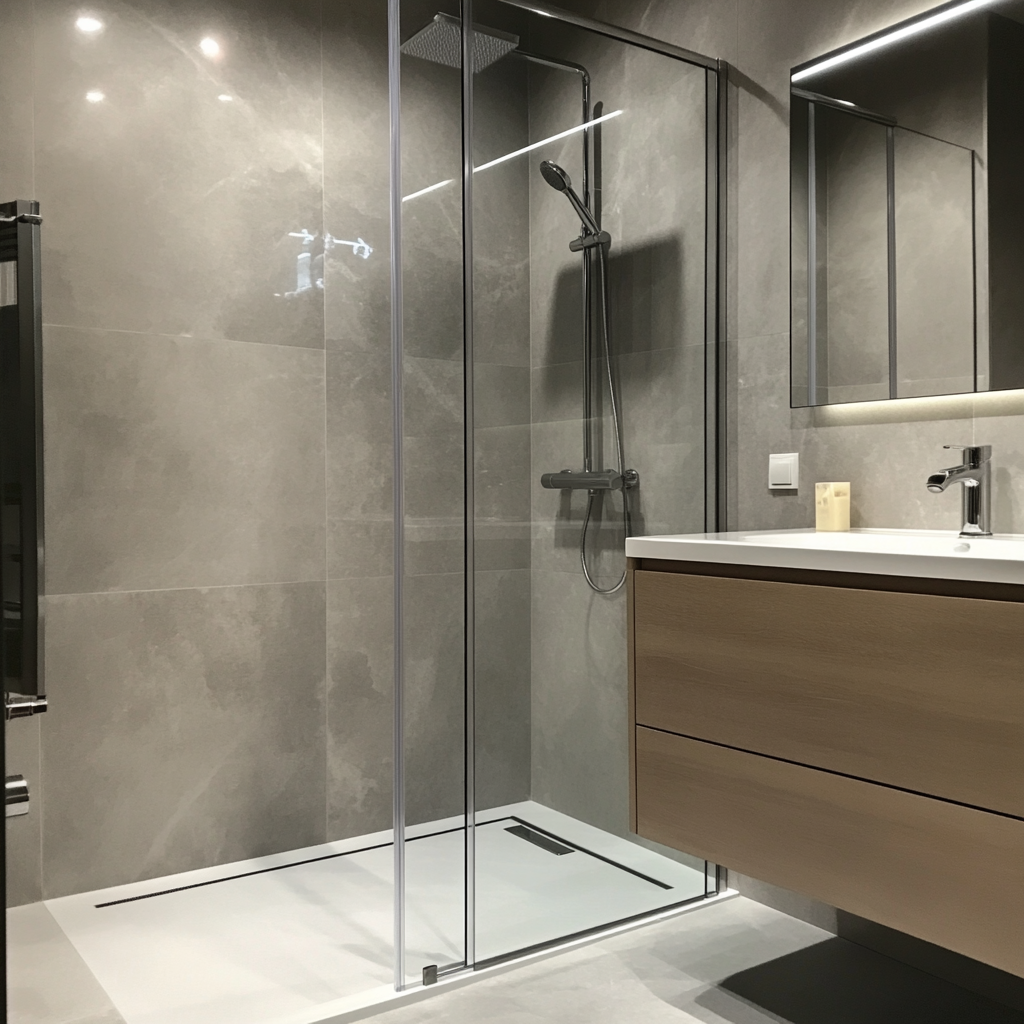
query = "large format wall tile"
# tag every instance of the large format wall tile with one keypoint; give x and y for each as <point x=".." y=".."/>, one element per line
<point x="501" y="395"/>
<point x="502" y="687"/>
<point x="16" y="164"/>
<point x="434" y="396"/>
<point x="704" y="26"/>
<point x="997" y="421"/>
<point x="186" y="729"/>
<point x="171" y="209"/>
<point x="173" y="462"/>
<point x="360" y="697"/>
<point x="360" y="706"/>
<point x="359" y="464"/>
<point x="580" y="733"/>
<point x="432" y="223"/>
<point x="885" y="451"/>
<point x="503" y="474"/>
<point x="663" y="437"/>
<point x="434" y="696"/>
<point x="888" y="462"/>
<point x="356" y="175"/>
<point x="501" y="224"/>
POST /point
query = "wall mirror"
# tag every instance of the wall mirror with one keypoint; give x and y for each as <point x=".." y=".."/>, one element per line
<point x="907" y="186"/>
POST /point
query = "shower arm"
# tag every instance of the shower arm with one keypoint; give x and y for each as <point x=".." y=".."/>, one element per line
<point x="588" y="331"/>
<point x="579" y="69"/>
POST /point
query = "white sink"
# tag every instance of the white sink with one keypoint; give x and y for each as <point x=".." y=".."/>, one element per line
<point x="937" y="554"/>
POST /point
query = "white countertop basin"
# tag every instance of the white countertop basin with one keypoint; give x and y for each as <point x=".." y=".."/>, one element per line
<point x="935" y="554"/>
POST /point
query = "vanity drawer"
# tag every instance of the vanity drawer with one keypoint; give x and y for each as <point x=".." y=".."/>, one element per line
<point x="945" y="873"/>
<point x="912" y="690"/>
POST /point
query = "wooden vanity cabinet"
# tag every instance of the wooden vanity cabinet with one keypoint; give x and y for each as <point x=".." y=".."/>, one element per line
<point x="859" y="739"/>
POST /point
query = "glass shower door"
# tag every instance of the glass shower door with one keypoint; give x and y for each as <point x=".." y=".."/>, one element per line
<point x="556" y="223"/>
<point x="591" y="262"/>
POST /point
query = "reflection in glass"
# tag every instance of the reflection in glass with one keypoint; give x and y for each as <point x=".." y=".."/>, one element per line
<point x="949" y="91"/>
<point x="310" y="262"/>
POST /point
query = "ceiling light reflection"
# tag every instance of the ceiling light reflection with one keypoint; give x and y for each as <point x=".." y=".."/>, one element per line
<point x="519" y="152"/>
<point x="544" y="142"/>
<point x="225" y="98"/>
<point x="210" y="47"/>
<point x="95" y="96"/>
<point x="89" y="24"/>
<point x="429" y="188"/>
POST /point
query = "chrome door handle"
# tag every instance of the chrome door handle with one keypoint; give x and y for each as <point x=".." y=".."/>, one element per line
<point x="17" y="705"/>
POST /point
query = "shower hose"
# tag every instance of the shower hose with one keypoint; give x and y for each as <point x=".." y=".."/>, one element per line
<point x="606" y="331"/>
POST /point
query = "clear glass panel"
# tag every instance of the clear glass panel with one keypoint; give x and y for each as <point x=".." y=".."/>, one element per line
<point x="883" y="252"/>
<point x="212" y="783"/>
<point x="852" y="226"/>
<point x="840" y="256"/>
<point x="935" y="316"/>
<point x="434" y="528"/>
<point x="554" y="856"/>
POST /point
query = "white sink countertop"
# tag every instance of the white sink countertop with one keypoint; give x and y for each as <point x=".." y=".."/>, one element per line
<point x="934" y="554"/>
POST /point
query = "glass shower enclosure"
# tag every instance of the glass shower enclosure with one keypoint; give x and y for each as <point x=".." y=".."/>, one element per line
<point x="370" y="331"/>
<point x="557" y="208"/>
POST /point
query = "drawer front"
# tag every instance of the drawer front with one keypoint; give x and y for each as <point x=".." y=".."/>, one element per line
<point x="921" y="692"/>
<point x="945" y="873"/>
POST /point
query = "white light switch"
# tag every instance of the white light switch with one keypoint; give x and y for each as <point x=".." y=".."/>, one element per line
<point x="784" y="471"/>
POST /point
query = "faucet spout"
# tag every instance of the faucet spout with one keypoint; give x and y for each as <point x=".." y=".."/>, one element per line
<point x="975" y="476"/>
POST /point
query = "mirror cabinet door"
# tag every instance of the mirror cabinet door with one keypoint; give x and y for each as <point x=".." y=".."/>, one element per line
<point x="907" y="211"/>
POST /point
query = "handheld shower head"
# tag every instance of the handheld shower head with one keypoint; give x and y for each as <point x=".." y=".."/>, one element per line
<point x="555" y="176"/>
<point x="559" y="181"/>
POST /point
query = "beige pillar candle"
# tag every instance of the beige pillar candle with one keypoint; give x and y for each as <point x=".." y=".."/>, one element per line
<point x="832" y="506"/>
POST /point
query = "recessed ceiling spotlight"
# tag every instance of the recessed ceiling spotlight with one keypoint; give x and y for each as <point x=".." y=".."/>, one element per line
<point x="225" y="98"/>
<point x="95" y="96"/>
<point x="89" y="25"/>
<point x="210" y="47"/>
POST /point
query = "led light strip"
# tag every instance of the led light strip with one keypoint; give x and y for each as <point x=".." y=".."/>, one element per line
<point x="519" y="152"/>
<point x="894" y="36"/>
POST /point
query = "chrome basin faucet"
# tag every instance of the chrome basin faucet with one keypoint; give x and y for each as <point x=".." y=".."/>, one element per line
<point x="975" y="474"/>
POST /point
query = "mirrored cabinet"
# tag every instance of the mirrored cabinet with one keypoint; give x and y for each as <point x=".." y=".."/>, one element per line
<point x="907" y="188"/>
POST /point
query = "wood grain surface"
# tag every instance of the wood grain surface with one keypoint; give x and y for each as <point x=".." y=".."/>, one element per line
<point x="910" y="690"/>
<point x="945" y="873"/>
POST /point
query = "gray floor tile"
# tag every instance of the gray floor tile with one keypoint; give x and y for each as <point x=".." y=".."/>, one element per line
<point x="47" y="981"/>
<point x="734" y="963"/>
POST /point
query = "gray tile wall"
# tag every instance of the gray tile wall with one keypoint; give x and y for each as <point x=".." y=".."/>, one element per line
<point x="185" y="445"/>
<point x="219" y="454"/>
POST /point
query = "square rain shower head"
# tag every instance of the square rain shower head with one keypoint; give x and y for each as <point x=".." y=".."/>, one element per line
<point x="441" y="42"/>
